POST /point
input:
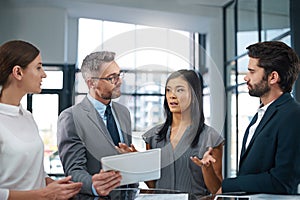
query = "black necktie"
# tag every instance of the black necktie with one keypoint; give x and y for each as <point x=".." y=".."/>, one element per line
<point x="247" y="133"/>
<point x="111" y="125"/>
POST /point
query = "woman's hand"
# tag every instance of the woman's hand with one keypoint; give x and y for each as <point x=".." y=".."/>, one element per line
<point x="62" y="189"/>
<point x="207" y="159"/>
<point x="211" y="164"/>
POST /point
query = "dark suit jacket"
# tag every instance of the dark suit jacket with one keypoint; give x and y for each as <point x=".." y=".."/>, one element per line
<point x="83" y="140"/>
<point x="271" y="163"/>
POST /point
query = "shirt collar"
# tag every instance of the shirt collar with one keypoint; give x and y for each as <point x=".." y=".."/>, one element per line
<point x="11" y="110"/>
<point x="264" y="107"/>
<point x="100" y="107"/>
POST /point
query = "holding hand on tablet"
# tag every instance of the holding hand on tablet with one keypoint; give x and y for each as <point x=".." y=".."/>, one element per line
<point x="134" y="167"/>
<point x="105" y="182"/>
<point x="124" y="148"/>
<point x="91" y="129"/>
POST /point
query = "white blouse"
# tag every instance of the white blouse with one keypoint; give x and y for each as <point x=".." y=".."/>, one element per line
<point x="21" y="151"/>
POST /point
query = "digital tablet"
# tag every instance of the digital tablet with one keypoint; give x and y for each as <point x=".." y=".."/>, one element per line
<point x="136" y="166"/>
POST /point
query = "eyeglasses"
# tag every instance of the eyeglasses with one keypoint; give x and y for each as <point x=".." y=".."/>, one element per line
<point x="113" y="78"/>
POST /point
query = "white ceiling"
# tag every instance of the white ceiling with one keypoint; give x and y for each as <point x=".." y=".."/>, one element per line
<point x="190" y="15"/>
<point x="76" y="7"/>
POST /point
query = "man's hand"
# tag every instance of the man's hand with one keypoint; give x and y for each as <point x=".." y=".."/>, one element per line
<point x="123" y="148"/>
<point x="105" y="182"/>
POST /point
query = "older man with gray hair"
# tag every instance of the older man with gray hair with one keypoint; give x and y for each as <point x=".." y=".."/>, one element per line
<point x="93" y="128"/>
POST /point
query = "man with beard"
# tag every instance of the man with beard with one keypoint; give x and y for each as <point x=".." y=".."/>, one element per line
<point x="270" y="155"/>
<point x="84" y="130"/>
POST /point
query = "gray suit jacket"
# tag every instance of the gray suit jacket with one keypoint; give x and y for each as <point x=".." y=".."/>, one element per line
<point x="83" y="140"/>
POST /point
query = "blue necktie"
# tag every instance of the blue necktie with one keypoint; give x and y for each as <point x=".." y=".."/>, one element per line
<point x="111" y="125"/>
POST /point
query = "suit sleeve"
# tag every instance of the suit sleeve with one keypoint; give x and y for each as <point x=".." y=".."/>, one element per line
<point x="284" y="176"/>
<point x="72" y="151"/>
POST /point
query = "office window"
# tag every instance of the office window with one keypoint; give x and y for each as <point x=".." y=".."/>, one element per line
<point x="147" y="55"/>
<point x="256" y="21"/>
<point x="54" y="79"/>
<point x="45" y="108"/>
<point x="45" y="112"/>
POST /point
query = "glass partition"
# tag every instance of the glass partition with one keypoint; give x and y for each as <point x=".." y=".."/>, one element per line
<point x="147" y="55"/>
<point x="275" y="18"/>
<point x="246" y="22"/>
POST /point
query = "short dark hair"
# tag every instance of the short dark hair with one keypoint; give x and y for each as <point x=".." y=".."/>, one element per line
<point x="279" y="57"/>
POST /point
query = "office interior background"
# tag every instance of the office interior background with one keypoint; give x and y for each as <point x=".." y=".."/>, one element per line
<point x="151" y="39"/>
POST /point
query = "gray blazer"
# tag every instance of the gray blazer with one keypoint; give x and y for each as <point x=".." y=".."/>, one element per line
<point x="83" y="140"/>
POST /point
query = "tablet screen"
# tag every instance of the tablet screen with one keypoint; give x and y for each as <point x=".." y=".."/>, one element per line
<point x="135" y="167"/>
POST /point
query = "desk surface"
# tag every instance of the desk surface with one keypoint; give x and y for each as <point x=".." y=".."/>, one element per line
<point x="134" y="193"/>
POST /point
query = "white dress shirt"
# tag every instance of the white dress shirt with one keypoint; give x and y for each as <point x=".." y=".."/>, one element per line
<point x="260" y="113"/>
<point x="21" y="151"/>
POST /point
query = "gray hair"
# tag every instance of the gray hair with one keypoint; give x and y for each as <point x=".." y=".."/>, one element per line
<point x="93" y="62"/>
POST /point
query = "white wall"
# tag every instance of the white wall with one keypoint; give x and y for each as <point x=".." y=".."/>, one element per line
<point x="208" y="21"/>
<point x="215" y="65"/>
<point x="55" y="31"/>
<point x="72" y="38"/>
<point x="42" y="26"/>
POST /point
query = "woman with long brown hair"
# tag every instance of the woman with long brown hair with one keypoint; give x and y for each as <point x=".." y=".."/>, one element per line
<point x="22" y="174"/>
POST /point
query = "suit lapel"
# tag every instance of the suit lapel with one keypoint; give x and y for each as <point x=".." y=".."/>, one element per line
<point x="267" y="117"/>
<point x="270" y="112"/>
<point x="91" y="131"/>
<point x="98" y="121"/>
<point x="95" y="118"/>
